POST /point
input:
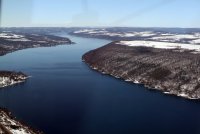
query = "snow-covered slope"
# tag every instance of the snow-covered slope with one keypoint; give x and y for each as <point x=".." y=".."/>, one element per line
<point x="162" y="45"/>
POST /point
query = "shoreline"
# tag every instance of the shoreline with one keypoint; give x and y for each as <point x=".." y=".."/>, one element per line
<point x="9" y="52"/>
<point x="139" y="83"/>
<point x="9" y="124"/>
<point x="13" y="41"/>
<point x="10" y="78"/>
<point x="154" y="68"/>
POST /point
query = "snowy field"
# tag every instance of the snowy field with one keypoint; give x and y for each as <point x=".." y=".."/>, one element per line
<point x="189" y="38"/>
<point x="13" y="37"/>
<point x="161" y="45"/>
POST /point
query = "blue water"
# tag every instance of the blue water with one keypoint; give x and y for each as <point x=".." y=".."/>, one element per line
<point x="64" y="96"/>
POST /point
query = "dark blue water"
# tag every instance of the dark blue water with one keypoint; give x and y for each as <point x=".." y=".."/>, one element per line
<point x="65" y="97"/>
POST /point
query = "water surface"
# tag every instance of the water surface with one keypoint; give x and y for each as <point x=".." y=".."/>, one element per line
<point x="64" y="96"/>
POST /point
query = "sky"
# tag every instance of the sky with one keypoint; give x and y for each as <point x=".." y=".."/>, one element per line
<point x="108" y="13"/>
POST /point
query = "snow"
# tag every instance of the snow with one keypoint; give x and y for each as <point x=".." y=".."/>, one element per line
<point x="182" y="95"/>
<point x="121" y="34"/>
<point x="112" y="34"/>
<point x="197" y="41"/>
<point x="139" y="34"/>
<point x="184" y="36"/>
<point x="6" y="81"/>
<point x="197" y="35"/>
<point x="21" y="131"/>
<point x="6" y="121"/>
<point x="86" y="31"/>
<point x="167" y="93"/>
<point x="129" y="35"/>
<point x="161" y="45"/>
<point x="193" y="38"/>
<point x="175" y="37"/>
<point x="96" y="32"/>
<point x="136" y="82"/>
<point x="15" y="36"/>
<point x="20" y="39"/>
<point x="146" y="34"/>
<point x="83" y="31"/>
<point x="166" y="34"/>
<point x="128" y="80"/>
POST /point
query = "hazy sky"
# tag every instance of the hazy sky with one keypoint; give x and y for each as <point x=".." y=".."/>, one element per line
<point x="135" y="13"/>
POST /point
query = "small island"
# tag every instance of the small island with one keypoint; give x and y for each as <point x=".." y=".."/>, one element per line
<point x="172" y="68"/>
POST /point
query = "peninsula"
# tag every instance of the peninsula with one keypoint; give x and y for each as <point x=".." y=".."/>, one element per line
<point x="171" y="70"/>
<point x="8" y="78"/>
<point x="13" y="41"/>
<point x="168" y="61"/>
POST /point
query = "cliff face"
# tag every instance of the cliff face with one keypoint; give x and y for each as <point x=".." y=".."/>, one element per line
<point x="171" y="71"/>
<point x="10" y="78"/>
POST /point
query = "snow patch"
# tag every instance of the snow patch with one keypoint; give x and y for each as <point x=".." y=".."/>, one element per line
<point x="195" y="41"/>
<point x="161" y="45"/>
<point x="20" y="39"/>
<point x="174" y="37"/>
<point x="11" y="36"/>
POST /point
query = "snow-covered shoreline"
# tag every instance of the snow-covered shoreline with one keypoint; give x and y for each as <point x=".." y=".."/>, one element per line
<point x="8" y="124"/>
<point x="11" y="78"/>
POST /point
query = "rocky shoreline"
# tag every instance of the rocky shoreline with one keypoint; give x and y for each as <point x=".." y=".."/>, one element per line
<point x="9" y="125"/>
<point x="171" y="71"/>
